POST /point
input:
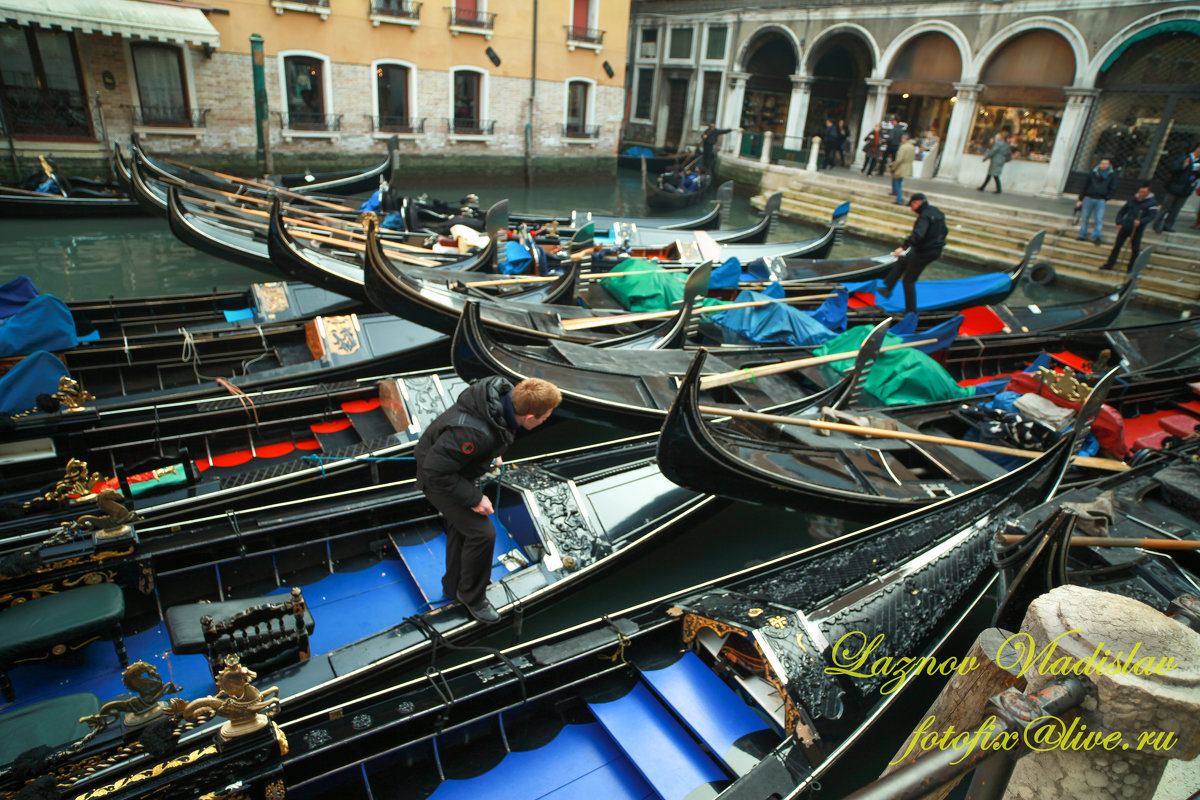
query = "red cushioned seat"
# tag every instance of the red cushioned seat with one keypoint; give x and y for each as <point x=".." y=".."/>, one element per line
<point x="1179" y="424"/>
<point x="1151" y="441"/>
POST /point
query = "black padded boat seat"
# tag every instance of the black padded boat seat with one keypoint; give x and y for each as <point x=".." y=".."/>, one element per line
<point x="50" y="723"/>
<point x="58" y="623"/>
<point x="187" y="635"/>
<point x="633" y="362"/>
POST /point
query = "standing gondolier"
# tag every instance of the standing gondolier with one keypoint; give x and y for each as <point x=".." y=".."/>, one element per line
<point x="464" y="442"/>
<point x="708" y="145"/>
<point x="920" y="248"/>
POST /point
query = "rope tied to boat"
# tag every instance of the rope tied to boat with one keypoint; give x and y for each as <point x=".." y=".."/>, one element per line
<point x="437" y="638"/>
<point x="191" y="354"/>
<point x="622" y="643"/>
<point x="266" y="350"/>
<point x="246" y="400"/>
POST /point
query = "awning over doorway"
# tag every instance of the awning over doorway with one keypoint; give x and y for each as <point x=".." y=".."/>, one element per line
<point x="160" y="22"/>
<point x="1173" y="26"/>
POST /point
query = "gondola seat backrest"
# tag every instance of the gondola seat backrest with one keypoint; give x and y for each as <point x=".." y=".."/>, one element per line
<point x="265" y="637"/>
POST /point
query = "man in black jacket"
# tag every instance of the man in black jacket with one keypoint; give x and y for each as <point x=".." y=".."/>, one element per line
<point x="1098" y="189"/>
<point x="708" y="145"/>
<point x="922" y="246"/>
<point x="464" y="442"/>
<point x="1137" y="213"/>
<point x="1185" y="174"/>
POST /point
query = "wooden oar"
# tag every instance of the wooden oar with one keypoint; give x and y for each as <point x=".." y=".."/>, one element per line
<point x="355" y="246"/>
<point x="734" y="376"/>
<point x="1116" y="541"/>
<point x="616" y="319"/>
<point x="880" y="433"/>
<point x="264" y="186"/>
<point x="50" y="174"/>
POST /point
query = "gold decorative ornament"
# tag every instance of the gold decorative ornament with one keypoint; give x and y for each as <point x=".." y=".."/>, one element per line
<point x="754" y="612"/>
<point x="1064" y="384"/>
<point x="76" y="480"/>
<point x="112" y="521"/>
<point x="144" y="681"/>
<point x="275" y="790"/>
<point x="779" y="623"/>
<point x="245" y="708"/>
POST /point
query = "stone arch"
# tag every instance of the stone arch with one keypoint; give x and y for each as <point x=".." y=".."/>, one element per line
<point x="972" y="73"/>
<point x="833" y="30"/>
<point x="769" y="58"/>
<point x="884" y="64"/>
<point x="751" y="43"/>
<point x="1091" y="73"/>
<point x="839" y="62"/>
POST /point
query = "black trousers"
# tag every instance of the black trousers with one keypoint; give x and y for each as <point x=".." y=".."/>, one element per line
<point x="906" y="270"/>
<point x="1171" y="205"/>
<point x="989" y="178"/>
<point x="470" y="540"/>
<point x="1126" y="232"/>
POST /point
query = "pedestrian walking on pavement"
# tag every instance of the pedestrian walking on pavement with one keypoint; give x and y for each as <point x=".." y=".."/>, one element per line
<point x="831" y="141"/>
<point x="1185" y="174"/>
<point x="1097" y="190"/>
<point x="873" y="150"/>
<point x="844" y="143"/>
<point x="902" y="167"/>
<point x="999" y="155"/>
<point x="1138" y="212"/>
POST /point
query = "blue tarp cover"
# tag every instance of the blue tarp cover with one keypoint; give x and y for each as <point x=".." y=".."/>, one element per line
<point x="33" y="375"/>
<point x="934" y="295"/>
<point x="637" y="152"/>
<point x="774" y="323"/>
<point x="372" y="203"/>
<point x="519" y="258"/>
<point x="15" y="294"/>
<point x="45" y="323"/>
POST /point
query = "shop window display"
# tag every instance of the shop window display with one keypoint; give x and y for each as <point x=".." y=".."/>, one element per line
<point x="1033" y="126"/>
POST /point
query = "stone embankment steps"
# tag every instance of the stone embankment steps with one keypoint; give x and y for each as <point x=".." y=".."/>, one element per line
<point x="985" y="233"/>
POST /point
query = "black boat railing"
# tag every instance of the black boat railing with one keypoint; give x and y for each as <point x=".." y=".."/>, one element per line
<point x="308" y="121"/>
<point x="581" y="131"/>
<point x="169" y="116"/>
<point x="578" y="33"/>
<point x="471" y="127"/>
<point x="394" y="123"/>
<point x="471" y="18"/>
<point x="402" y="9"/>
<point x="46" y="112"/>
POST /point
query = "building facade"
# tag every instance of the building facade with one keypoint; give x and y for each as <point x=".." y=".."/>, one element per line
<point x="1072" y="80"/>
<point x="541" y="80"/>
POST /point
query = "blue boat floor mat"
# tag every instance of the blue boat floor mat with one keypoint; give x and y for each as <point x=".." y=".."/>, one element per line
<point x="581" y="762"/>
<point x="427" y="562"/>
<point x="712" y="710"/>
<point x="95" y="669"/>
<point x="672" y="761"/>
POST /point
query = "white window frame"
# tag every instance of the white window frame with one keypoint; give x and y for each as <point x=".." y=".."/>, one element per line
<point x="483" y="103"/>
<point x="704" y="45"/>
<point x="658" y="45"/>
<point x="589" y="111"/>
<point x="691" y="56"/>
<point x="637" y="82"/>
<point x="591" y="23"/>
<point x="480" y="8"/>
<point x="189" y="83"/>
<point x="326" y="93"/>
<point x="412" y="94"/>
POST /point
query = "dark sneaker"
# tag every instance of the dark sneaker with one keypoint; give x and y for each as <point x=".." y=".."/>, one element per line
<point x="1081" y="238"/>
<point x="1096" y="240"/>
<point x="483" y="611"/>
<point x="883" y="292"/>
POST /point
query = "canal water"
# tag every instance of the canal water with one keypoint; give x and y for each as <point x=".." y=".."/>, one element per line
<point x="87" y="259"/>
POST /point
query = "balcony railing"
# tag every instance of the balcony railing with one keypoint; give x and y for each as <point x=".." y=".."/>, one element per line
<point x="401" y="9"/>
<point x="471" y="18"/>
<point x="320" y="7"/>
<point x="308" y="121"/>
<point x="169" y="116"/>
<point x="390" y="123"/>
<point x="471" y="127"/>
<point x="581" y="131"/>
<point x="576" y="33"/>
<point x="47" y="112"/>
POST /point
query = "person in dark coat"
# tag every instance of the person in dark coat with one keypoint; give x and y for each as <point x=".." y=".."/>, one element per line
<point x="894" y="130"/>
<point x="831" y="141"/>
<point x="999" y="155"/>
<point x="708" y="145"/>
<point x="1138" y="212"/>
<point x="1097" y="190"/>
<point x="873" y="148"/>
<point x="1185" y="174"/>
<point x="843" y="141"/>
<point x="463" y="443"/>
<point x="920" y="248"/>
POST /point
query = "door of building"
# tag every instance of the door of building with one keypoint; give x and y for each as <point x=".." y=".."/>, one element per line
<point x="676" y="108"/>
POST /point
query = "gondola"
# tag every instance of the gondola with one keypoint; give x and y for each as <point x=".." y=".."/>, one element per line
<point x="872" y="475"/>
<point x="661" y="199"/>
<point x="633" y="236"/>
<point x="86" y="198"/>
<point x="602" y="223"/>
<point x="720" y="688"/>
<point x="635" y="389"/>
<point x="1155" y="500"/>
<point x="375" y="575"/>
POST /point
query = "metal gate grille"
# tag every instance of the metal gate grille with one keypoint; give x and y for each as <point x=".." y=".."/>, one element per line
<point x="1148" y="110"/>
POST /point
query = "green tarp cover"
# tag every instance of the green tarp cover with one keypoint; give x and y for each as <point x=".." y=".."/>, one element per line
<point x="650" y="288"/>
<point x="898" y="377"/>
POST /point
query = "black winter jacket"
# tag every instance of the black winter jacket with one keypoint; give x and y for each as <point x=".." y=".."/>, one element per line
<point x="1134" y="209"/>
<point x="1183" y="175"/>
<point x="1100" y="186"/>
<point x="928" y="235"/>
<point x="462" y="442"/>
